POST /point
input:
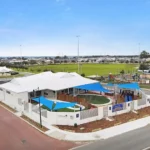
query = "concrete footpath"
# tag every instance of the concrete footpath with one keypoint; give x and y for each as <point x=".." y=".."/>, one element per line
<point x="98" y="135"/>
<point x="92" y="136"/>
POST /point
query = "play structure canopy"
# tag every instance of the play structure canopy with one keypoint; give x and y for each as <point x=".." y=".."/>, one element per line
<point x="49" y="103"/>
<point x="93" y="87"/>
<point x="60" y="105"/>
<point x="134" y="86"/>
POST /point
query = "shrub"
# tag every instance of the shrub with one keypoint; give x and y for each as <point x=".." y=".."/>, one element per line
<point x="45" y="70"/>
<point x="75" y="125"/>
<point x="83" y="75"/>
<point x="38" y="70"/>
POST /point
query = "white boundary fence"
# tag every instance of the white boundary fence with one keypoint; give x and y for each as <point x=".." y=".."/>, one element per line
<point x="70" y="118"/>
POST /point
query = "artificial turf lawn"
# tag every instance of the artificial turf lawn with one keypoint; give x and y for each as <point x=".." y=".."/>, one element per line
<point x="94" y="99"/>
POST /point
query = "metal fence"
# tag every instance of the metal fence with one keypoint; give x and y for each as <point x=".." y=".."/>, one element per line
<point x="105" y="111"/>
<point x="88" y="113"/>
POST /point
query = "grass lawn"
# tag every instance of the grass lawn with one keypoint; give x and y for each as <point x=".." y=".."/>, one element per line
<point x="93" y="99"/>
<point x="87" y="69"/>
<point x="12" y="76"/>
<point x="146" y="86"/>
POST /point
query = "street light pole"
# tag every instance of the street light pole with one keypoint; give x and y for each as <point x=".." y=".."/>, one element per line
<point x="40" y="112"/>
<point x="78" y="54"/>
<point x="139" y="52"/>
<point x="39" y="106"/>
<point x="21" y="53"/>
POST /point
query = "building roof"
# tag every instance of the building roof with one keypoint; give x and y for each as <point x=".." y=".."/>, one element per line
<point x="46" y="80"/>
<point x="5" y="69"/>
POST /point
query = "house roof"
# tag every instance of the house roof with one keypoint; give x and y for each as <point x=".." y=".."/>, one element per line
<point x="5" y="69"/>
<point x="46" y="80"/>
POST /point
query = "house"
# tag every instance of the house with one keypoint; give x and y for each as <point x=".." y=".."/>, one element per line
<point x="4" y="71"/>
<point x="48" y="84"/>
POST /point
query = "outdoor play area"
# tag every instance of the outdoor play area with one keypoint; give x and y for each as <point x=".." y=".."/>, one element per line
<point x="68" y="100"/>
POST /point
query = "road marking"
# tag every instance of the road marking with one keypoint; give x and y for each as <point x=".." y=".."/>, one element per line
<point x="147" y="148"/>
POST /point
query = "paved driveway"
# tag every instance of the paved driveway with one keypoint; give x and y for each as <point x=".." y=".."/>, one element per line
<point x="15" y="134"/>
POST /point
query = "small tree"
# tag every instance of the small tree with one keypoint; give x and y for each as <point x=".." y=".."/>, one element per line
<point x="38" y="70"/>
<point x="143" y="67"/>
<point x="122" y="72"/>
<point x="144" y="54"/>
<point x="45" y="70"/>
<point x="82" y="74"/>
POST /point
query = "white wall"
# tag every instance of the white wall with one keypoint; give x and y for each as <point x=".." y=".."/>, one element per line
<point x="24" y="96"/>
<point x="2" y="96"/>
<point x="63" y="118"/>
<point x="51" y="94"/>
<point x="127" y="109"/>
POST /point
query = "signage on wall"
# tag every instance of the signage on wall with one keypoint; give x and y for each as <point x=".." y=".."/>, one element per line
<point x="117" y="107"/>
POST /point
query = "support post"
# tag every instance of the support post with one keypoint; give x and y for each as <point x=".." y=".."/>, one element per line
<point x="40" y="112"/>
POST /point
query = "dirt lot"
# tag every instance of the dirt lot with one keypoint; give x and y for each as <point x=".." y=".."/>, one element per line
<point x="15" y="134"/>
<point x="102" y="124"/>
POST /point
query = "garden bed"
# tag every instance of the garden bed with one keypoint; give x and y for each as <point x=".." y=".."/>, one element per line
<point x="103" y="123"/>
<point x="8" y="107"/>
<point x="44" y="129"/>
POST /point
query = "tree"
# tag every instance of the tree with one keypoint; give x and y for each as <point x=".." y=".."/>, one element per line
<point x="143" y="67"/>
<point x="57" y="57"/>
<point x="32" y="62"/>
<point x="45" y="70"/>
<point x="43" y="62"/>
<point x="122" y="71"/>
<point x="127" y="61"/>
<point x="83" y="75"/>
<point x="65" y="57"/>
<point x="144" y="54"/>
<point x="38" y="70"/>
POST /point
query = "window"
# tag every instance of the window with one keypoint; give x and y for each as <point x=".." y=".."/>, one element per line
<point x="38" y="93"/>
<point x="45" y="93"/>
<point x="31" y="94"/>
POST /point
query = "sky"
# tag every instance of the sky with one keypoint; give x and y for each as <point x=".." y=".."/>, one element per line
<point x="50" y="27"/>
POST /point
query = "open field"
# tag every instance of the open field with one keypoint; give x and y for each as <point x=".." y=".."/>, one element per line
<point x="87" y="69"/>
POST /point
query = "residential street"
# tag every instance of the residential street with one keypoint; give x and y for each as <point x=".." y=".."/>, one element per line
<point x="135" y="140"/>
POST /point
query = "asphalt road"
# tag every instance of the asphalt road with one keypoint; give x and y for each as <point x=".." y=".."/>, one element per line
<point x="15" y="134"/>
<point x="134" y="140"/>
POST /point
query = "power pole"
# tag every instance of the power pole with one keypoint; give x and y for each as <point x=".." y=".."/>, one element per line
<point x="139" y="52"/>
<point x="21" y="54"/>
<point x="78" y="54"/>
